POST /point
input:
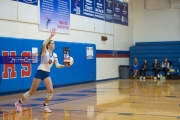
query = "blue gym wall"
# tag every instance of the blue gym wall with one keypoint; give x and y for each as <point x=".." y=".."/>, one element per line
<point x="83" y="69"/>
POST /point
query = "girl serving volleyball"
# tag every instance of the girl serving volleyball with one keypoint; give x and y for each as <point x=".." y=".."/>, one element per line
<point x="48" y="57"/>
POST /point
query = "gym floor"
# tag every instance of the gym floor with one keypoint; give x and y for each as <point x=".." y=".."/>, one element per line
<point x="118" y="99"/>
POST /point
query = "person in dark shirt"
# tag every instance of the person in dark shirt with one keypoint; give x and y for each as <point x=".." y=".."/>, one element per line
<point x="143" y="70"/>
<point x="156" y="68"/>
<point x="170" y="63"/>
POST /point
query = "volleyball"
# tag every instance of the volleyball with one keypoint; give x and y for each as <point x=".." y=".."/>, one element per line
<point x="68" y="61"/>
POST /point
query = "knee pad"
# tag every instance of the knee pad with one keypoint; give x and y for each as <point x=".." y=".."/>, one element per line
<point x="26" y="95"/>
<point x="49" y="96"/>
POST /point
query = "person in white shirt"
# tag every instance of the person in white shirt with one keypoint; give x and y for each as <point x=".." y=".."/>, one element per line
<point x="48" y="58"/>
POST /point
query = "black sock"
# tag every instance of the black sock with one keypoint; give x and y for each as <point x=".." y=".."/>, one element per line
<point x="20" y="102"/>
<point x="45" y="104"/>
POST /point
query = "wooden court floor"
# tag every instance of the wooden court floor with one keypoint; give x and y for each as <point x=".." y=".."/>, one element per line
<point x="109" y="100"/>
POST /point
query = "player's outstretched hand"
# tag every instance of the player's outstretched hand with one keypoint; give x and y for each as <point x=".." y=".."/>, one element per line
<point x="66" y="65"/>
<point x="53" y="32"/>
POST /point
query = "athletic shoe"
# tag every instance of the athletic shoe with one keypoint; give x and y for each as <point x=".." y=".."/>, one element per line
<point x="46" y="109"/>
<point x="158" y="75"/>
<point x="18" y="107"/>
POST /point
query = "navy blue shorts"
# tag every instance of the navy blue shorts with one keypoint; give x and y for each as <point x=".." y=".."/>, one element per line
<point x="40" y="74"/>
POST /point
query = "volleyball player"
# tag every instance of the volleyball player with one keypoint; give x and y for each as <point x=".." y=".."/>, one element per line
<point x="48" y="57"/>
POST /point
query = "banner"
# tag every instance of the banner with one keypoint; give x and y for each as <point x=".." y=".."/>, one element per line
<point x="108" y="11"/>
<point x="119" y="1"/>
<point x="99" y="9"/>
<point x="54" y="14"/>
<point x="117" y="13"/>
<point x="31" y="2"/>
<point x="124" y="14"/>
<point x="77" y="7"/>
<point x="89" y="8"/>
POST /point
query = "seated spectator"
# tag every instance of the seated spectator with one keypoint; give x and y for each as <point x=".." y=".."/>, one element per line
<point x="135" y="67"/>
<point x="165" y="66"/>
<point x="143" y="70"/>
<point x="170" y="63"/>
<point x="156" y="68"/>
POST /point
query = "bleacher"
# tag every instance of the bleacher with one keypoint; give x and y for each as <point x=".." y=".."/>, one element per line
<point x="151" y="50"/>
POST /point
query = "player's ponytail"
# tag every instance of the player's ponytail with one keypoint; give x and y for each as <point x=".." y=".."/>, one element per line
<point x="40" y="51"/>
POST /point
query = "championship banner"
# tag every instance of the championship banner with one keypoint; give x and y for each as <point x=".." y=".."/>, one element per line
<point x="99" y="9"/>
<point x="108" y="11"/>
<point x="117" y="13"/>
<point x="89" y="8"/>
<point x="54" y="14"/>
<point x="124" y="14"/>
<point x="31" y="2"/>
<point x="77" y="7"/>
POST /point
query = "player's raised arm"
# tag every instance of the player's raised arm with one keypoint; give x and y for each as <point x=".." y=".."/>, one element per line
<point x="53" y="32"/>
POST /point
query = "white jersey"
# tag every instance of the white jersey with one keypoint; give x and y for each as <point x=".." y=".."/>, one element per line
<point x="47" y="61"/>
